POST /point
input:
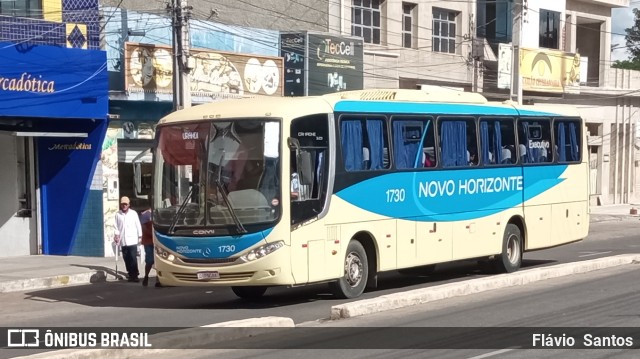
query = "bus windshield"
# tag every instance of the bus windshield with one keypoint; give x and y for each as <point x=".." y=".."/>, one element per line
<point x="217" y="174"/>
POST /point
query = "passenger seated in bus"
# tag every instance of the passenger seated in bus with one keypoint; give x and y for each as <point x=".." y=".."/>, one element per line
<point x="366" y="160"/>
<point x="472" y="159"/>
<point x="506" y="155"/>
<point x="295" y="187"/>
<point x="522" y="153"/>
<point x="428" y="162"/>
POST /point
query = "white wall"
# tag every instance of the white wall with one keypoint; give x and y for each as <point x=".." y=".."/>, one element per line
<point x="531" y="27"/>
<point x="14" y="231"/>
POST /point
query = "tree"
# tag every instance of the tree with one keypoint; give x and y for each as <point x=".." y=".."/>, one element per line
<point x="632" y="39"/>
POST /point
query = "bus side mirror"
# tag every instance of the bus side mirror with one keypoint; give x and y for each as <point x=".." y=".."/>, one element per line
<point x="305" y="170"/>
<point x="293" y="143"/>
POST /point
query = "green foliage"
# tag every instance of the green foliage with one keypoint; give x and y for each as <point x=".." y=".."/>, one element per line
<point x="633" y="45"/>
<point x="627" y="65"/>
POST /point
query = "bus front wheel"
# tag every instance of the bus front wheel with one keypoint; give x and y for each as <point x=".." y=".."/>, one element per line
<point x="510" y="259"/>
<point x="356" y="273"/>
<point x="249" y="293"/>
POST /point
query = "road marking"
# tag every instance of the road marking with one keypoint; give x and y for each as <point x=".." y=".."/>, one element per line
<point x="589" y="254"/>
<point x="497" y="352"/>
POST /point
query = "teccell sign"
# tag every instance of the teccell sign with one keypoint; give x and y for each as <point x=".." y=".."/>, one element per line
<point x="318" y="64"/>
<point x="331" y="48"/>
<point x="337" y="64"/>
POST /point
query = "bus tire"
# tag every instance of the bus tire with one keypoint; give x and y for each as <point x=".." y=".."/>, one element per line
<point x="249" y="293"/>
<point x="510" y="259"/>
<point x="418" y="271"/>
<point x="356" y="273"/>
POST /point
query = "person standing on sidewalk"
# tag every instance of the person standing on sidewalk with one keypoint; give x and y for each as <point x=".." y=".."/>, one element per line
<point x="146" y="220"/>
<point x="128" y="235"/>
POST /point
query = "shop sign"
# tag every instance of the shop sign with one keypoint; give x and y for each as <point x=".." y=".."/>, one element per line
<point x="70" y="146"/>
<point x="335" y="64"/>
<point x="215" y="73"/>
<point x="546" y="70"/>
<point x="52" y="82"/>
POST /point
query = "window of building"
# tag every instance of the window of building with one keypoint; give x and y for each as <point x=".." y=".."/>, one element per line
<point x="549" y="25"/>
<point x="22" y="8"/>
<point x="365" y="20"/>
<point x="534" y="141"/>
<point x="444" y="31"/>
<point x="408" y="25"/>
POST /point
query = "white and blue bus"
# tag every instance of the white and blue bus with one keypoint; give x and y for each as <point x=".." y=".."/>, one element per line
<point x="261" y="192"/>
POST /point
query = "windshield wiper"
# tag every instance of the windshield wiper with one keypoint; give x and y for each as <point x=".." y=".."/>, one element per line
<point x="240" y="228"/>
<point x="181" y="209"/>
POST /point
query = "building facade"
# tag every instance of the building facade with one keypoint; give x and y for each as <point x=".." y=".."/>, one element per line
<point x="576" y="33"/>
<point x="53" y="85"/>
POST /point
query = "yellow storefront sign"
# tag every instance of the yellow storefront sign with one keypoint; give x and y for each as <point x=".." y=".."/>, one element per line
<point x="546" y="70"/>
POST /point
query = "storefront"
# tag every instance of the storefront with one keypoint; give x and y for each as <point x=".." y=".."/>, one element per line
<point x="53" y="119"/>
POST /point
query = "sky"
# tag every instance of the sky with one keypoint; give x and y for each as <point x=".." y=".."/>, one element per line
<point x="621" y="19"/>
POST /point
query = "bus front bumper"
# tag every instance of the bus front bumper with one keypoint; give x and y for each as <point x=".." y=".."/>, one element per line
<point x="272" y="270"/>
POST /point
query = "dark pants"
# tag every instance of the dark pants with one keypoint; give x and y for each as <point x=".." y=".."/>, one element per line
<point x="130" y="254"/>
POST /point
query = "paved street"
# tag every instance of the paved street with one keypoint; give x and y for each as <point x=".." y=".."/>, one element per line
<point x="117" y="304"/>
<point x="607" y="298"/>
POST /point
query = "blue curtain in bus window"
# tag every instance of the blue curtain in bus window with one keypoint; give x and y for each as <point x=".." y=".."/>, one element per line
<point x="406" y="139"/>
<point x="352" y="145"/>
<point x="376" y="143"/>
<point x="573" y="141"/>
<point x="562" y="144"/>
<point x="497" y="142"/>
<point x="484" y="137"/>
<point x="454" y="143"/>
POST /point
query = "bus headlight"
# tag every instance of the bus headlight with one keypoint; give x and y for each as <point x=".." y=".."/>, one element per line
<point x="163" y="253"/>
<point x="262" y="251"/>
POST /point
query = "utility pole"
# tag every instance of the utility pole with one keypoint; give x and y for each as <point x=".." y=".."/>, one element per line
<point x="180" y="14"/>
<point x="516" y="35"/>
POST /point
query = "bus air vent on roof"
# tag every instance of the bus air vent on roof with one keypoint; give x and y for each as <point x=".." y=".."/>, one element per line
<point x="371" y="95"/>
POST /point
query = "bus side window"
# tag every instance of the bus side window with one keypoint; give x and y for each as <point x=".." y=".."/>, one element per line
<point x="364" y="143"/>
<point x="413" y="142"/>
<point x="458" y="145"/>
<point x="534" y="137"/>
<point x="567" y="140"/>
<point x="497" y="141"/>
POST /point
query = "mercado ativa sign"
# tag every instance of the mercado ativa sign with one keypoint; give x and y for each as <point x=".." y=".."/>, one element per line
<point x="53" y="82"/>
<point x="27" y="82"/>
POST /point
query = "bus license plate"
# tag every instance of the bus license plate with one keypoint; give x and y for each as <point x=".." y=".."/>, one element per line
<point x="208" y="275"/>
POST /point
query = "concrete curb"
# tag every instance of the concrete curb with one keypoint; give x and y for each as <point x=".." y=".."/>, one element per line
<point x="58" y="281"/>
<point x="178" y="339"/>
<point x="425" y="295"/>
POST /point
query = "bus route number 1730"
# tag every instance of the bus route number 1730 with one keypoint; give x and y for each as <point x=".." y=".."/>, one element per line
<point x="395" y="195"/>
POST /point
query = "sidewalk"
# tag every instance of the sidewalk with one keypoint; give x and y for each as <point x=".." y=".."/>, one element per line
<point x="41" y="272"/>
<point x="614" y="212"/>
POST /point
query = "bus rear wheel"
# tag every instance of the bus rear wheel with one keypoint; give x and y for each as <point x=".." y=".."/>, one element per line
<point x="356" y="273"/>
<point x="510" y="259"/>
<point x="249" y="293"/>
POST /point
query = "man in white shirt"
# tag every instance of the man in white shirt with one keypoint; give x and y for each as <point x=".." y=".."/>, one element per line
<point x="128" y="235"/>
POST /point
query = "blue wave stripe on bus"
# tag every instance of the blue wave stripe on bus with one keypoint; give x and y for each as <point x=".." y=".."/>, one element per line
<point x="451" y="195"/>
<point x="211" y="247"/>
<point x="427" y="107"/>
